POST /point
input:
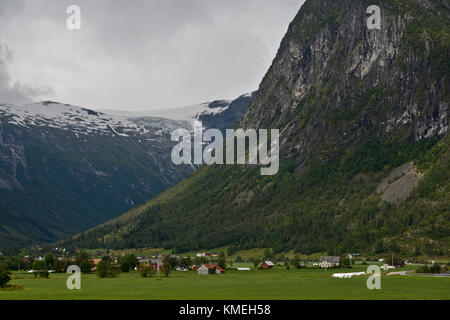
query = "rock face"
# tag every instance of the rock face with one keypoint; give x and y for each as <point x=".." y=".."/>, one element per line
<point x="227" y="114"/>
<point x="399" y="184"/>
<point x="352" y="105"/>
<point x="334" y="82"/>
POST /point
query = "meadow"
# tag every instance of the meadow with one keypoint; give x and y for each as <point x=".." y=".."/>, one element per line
<point x="276" y="284"/>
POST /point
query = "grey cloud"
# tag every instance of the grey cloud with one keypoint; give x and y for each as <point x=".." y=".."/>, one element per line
<point x="144" y="53"/>
<point x="10" y="92"/>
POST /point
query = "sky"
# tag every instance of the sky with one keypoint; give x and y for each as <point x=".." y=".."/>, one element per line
<point x="140" y="54"/>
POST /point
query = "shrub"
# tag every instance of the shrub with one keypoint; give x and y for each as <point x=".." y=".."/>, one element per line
<point x="435" y="268"/>
<point x="128" y="262"/>
<point x="85" y="266"/>
<point x="221" y="262"/>
<point x="145" y="271"/>
<point x="5" y="275"/>
<point x="167" y="267"/>
<point x="423" y="269"/>
<point x="106" y="269"/>
<point x="40" y="269"/>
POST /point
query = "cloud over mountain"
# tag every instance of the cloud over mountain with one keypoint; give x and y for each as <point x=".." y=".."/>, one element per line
<point x="12" y="91"/>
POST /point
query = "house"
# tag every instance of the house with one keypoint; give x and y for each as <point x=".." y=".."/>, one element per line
<point x="95" y="263"/>
<point x="267" y="265"/>
<point x="154" y="263"/>
<point x="210" y="268"/>
<point x="334" y="261"/>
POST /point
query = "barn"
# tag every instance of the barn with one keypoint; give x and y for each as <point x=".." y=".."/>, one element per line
<point x="210" y="268"/>
<point x="334" y="262"/>
<point x="267" y="265"/>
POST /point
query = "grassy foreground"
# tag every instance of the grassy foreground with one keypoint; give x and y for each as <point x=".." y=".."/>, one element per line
<point x="265" y="285"/>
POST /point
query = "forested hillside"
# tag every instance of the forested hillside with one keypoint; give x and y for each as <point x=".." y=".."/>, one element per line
<point x="363" y="116"/>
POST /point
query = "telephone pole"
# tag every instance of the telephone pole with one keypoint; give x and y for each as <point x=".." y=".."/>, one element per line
<point x="158" y="270"/>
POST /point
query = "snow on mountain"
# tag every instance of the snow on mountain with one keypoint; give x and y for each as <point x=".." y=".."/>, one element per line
<point x="184" y="114"/>
<point x="81" y="120"/>
<point x="123" y="123"/>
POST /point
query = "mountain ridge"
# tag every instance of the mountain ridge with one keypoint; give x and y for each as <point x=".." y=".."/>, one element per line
<point x="353" y="105"/>
<point x="65" y="168"/>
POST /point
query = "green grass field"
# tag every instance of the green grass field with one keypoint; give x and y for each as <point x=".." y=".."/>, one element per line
<point x="265" y="285"/>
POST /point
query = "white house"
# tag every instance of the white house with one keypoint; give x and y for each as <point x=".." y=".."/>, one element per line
<point x="203" y="270"/>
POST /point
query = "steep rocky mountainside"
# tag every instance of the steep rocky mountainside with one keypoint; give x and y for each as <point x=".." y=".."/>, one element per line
<point x="363" y="116"/>
<point x="224" y="115"/>
<point x="335" y="83"/>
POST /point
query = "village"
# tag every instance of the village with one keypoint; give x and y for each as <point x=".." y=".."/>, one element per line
<point x="105" y="264"/>
<point x="221" y="273"/>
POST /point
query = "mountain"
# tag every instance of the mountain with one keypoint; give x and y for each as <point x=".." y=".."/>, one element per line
<point x="65" y="169"/>
<point x="224" y="115"/>
<point x="364" y="144"/>
<point x="218" y="114"/>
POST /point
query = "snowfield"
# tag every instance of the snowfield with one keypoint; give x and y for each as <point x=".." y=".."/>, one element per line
<point x="183" y="114"/>
<point x="83" y="121"/>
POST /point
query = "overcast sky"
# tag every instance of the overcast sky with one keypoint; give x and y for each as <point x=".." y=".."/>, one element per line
<point x="138" y="54"/>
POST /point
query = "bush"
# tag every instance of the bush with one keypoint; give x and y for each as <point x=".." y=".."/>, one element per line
<point x="346" y="262"/>
<point x="86" y="266"/>
<point x="5" y="275"/>
<point x="221" y="262"/>
<point x="423" y="269"/>
<point x="145" y="271"/>
<point x="40" y="269"/>
<point x="128" y="262"/>
<point x="82" y="256"/>
<point x="296" y="262"/>
<point x="167" y="267"/>
<point x="106" y="269"/>
<point x="435" y="268"/>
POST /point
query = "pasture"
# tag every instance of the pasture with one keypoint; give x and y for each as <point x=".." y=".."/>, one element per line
<point x="278" y="283"/>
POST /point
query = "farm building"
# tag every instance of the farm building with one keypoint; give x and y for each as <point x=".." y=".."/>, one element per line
<point x="267" y="265"/>
<point x="335" y="262"/>
<point x="95" y="263"/>
<point x="210" y="268"/>
<point x="152" y="263"/>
